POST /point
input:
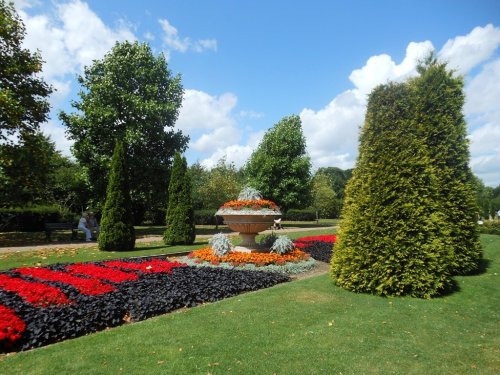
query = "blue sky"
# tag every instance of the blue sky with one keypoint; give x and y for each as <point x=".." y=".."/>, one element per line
<point x="247" y="64"/>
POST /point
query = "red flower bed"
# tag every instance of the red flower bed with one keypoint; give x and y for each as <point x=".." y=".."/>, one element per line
<point x="11" y="326"/>
<point x="37" y="294"/>
<point x="103" y="273"/>
<point x="151" y="266"/>
<point x="84" y="286"/>
<point x="305" y="241"/>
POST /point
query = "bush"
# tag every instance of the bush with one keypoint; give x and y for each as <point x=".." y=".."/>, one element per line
<point x="117" y="230"/>
<point x="308" y="214"/>
<point x="490" y="227"/>
<point x="180" y="214"/>
<point x="207" y="217"/>
<point x="32" y="219"/>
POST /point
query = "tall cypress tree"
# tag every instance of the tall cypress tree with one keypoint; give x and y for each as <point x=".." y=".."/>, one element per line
<point x="393" y="238"/>
<point x="439" y="100"/>
<point x="117" y="230"/>
<point x="180" y="214"/>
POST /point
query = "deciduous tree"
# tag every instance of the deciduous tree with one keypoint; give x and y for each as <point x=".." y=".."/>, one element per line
<point x="130" y="94"/>
<point x="23" y="93"/>
<point x="280" y="167"/>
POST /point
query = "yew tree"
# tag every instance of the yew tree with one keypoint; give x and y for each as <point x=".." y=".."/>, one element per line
<point x="129" y="94"/>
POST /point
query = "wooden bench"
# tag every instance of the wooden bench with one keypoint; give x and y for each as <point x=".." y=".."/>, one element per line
<point x="50" y="227"/>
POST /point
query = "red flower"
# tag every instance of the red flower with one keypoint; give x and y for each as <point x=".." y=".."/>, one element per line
<point x="302" y="241"/>
<point x="103" y="273"/>
<point x="38" y="294"/>
<point x="150" y="266"/>
<point x="84" y="286"/>
<point x="11" y="326"/>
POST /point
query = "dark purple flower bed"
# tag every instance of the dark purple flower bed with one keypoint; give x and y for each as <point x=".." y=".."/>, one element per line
<point x="39" y="306"/>
<point x="318" y="247"/>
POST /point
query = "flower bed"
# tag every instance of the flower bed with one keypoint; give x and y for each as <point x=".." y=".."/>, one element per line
<point x="259" y="259"/>
<point x="254" y="204"/>
<point x="39" y="306"/>
<point x="318" y="247"/>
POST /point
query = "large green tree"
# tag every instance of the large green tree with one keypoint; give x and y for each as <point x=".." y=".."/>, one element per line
<point x="23" y="93"/>
<point x="28" y="170"/>
<point x="409" y="219"/>
<point x="117" y="230"/>
<point x="180" y="214"/>
<point x="393" y="238"/>
<point x="439" y="99"/>
<point x="130" y="94"/>
<point x="324" y="197"/>
<point x="280" y="167"/>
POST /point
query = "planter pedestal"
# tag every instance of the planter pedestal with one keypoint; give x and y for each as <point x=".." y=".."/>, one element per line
<point x="249" y="225"/>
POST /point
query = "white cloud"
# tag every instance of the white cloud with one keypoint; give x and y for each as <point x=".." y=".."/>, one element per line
<point x="381" y="69"/>
<point x="219" y="138"/>
<point x="203" y="111"/>
<point x="172" y="40"/>
<point x="237" y="154"/>
<point x="483" y="90"/>
<point x="465" y="52"/>
<point x="332" y="132"/>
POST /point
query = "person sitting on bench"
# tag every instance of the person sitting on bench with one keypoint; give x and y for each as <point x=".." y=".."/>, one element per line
<point x="93" y="225"/>
<point x="83" y="225"/>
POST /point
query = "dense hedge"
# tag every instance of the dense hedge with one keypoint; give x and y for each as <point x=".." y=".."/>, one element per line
<point x="31" y="219"/>
<point x="490" y="227"/>
<point x="308" y="214"/>
<point x="150" y="286"/>
<point x="207" y="217"/>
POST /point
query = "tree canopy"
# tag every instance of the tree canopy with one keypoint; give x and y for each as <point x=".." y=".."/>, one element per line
<point x="131" y="95"/>
<point x="23" y="93"/>
<point x="280" y="167"/>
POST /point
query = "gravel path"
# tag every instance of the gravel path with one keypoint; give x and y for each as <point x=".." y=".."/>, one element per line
<point x="4" y="250"/>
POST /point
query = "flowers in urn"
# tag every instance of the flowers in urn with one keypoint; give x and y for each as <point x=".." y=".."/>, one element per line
<point x="249" y="199"/>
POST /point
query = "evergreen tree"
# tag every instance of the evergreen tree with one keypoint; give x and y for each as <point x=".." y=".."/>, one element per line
<point x="393" y="238"/>
<point x="438" y="115"/>
<point x="117" y="230"/>
<point x="180" y="214"/>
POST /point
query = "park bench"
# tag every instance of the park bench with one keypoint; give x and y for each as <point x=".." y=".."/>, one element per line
<point x="50" y="227"/>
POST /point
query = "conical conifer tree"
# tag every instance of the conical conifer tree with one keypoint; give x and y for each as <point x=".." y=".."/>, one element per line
<point x="180" y="215"/>
<point x="393" y="237"/>
<point x="117" y="230"/>
<point x="439" y="98"/>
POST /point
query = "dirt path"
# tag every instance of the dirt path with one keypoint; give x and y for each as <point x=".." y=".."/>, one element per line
<point x="14" y="249"/>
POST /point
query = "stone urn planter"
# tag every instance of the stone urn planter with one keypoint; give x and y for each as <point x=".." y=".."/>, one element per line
<point x="249" y="215"/>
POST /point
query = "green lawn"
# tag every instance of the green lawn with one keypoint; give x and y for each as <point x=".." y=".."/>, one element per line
<point x="303" y="327"/>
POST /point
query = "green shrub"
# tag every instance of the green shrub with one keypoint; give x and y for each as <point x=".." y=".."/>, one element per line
<point x="393" y="238"/>
<point x="308" y="214"/>
<point x="207" y="217"/>
<point x="490" y="227"/>
<point x="32" y="219"/>
<point x="180" y="214"/>
<point x="117" y="230"/>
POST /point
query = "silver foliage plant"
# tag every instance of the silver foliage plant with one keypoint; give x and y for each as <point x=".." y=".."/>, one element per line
<point x="249" y="194"/>
<point x="220" y="244"/>
<point x="282" y="245"/>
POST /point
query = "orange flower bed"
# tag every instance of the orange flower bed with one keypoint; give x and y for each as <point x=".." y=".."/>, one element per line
<point x="259" y="259"/>
<point x="251" y="204"/>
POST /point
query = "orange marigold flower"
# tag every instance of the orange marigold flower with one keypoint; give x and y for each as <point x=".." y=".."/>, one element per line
<point x="260" y="259"/>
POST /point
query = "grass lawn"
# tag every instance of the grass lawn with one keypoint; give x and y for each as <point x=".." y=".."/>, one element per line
<point x="303" y="327"/>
